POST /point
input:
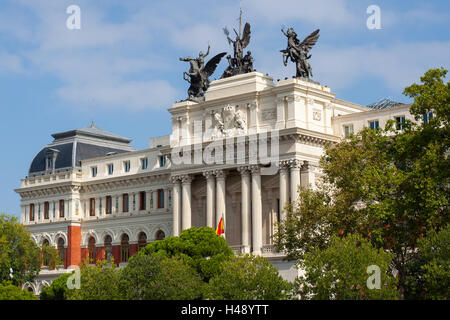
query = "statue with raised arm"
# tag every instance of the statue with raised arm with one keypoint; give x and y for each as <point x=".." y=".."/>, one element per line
<point x="237" y="63"/>
<point x="199" y="73"/>
<point x="298" y="52"/>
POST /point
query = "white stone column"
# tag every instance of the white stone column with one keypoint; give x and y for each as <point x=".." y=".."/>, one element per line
<point x="294" y="166"/>
<point x="220" y="198"/>
<point x="186" y="221"/>
<point x="256" y="211"/>
<point x="176" y="205"/>
<point x="210" y="195"/>
<point x="284" y="187"/>
<point x="308" y="177"/>
<point x="245" y="209"/>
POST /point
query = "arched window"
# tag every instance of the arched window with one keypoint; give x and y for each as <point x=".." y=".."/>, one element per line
<point x="124" y="248"/>
<point x="91" y="248"/>
<point x="45" y="257"/>
<point x="160" y="235"/>
<point x="61" y="251"/>
<point x="108" y="248"/>
<point x="142" y="240"/>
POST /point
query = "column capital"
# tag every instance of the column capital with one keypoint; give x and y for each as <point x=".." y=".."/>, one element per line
<point x="186" y="179"/>
<point x="220" y="174"/>
<point x="175" y="179"/>
<point x="294" y="163"/>
<point x="208" y="174"/>
<point x="244" y="170"/>
<point x="255" y="169"/>
<point x="284" y="164"/>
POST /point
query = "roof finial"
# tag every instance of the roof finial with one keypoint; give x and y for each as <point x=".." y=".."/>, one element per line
<point x="92" y="125"/>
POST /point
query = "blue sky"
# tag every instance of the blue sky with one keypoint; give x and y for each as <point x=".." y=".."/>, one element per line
<point x="121" y="69"/>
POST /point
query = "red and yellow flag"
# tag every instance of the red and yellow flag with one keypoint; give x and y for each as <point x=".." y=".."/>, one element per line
<point x="220" y="228"/>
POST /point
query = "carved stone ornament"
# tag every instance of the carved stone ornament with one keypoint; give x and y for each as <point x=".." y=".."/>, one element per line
<point x="228" y="122"/>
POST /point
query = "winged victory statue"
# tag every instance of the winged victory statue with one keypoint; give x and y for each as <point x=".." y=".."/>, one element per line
<point x="298" y="52"/>
<point x="239" y="64"/>
<point x="199" y="73"/>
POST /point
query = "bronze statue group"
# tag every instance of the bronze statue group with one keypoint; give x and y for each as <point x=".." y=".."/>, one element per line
<point x="199" y="73"/>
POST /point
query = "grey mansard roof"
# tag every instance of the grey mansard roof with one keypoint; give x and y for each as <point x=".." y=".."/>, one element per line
<point x="71" y="147"/>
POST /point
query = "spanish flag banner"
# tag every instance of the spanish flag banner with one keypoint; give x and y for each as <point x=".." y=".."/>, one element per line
<point x="220" y="229"/>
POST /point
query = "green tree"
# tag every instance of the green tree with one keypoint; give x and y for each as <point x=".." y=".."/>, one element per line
<point x="18" y="252"/>
<point x="50" y="256"/>
<point x="248" y="278"/>
<point x="340" y="271"/>
<point x="200" y="248"/>
<point x="99" y="282"/>
<point x="57" y="290"/>
<point x="8" y="291"/>
<point x="385" y="185"/>
<point x="156" y="277"/>
<point x="428" y="275"/>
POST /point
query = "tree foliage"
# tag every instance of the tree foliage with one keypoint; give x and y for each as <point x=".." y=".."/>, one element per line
<point x="248" y="278"/>
<point x="17" y="252"/>
<point x="57" y="290"/>
<point x="98" y="282"/>
<point x="199" y="248"/>
<point x="156" y="277"/>
<point x="50" y="256"/>
<point x="428" y="276"/>
<point x="386" y="185"/>
<point x="9" y="291"/>
<point x="340" y="271"/>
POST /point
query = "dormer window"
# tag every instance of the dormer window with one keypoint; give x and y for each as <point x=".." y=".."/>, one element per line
<point x="94" y="172"/>
<point x="110" y="169"/>
<point x="126" y="166"/>
<point x="144" y="163"/>
<point x="162" y="161"/>
<point x="50" y="159"/>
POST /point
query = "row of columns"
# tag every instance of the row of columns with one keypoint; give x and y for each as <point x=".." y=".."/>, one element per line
<point x="251" y="199"/>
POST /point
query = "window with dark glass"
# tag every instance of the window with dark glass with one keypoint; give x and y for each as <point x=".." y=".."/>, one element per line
<point x="61" y="251"/>
<point x="45" y="257"/>
<point x="61" y="208"/>
<point x="142" y="200"/>
<point x="160" y="235"/>
<point x="427" y="117"/>
<point x="46" y="210"/>
<point x="144" y="163"/>
<point x="94" y="172"/>
<point x="125" y="202"/>
<point x="142" y="240"/>
<point x="32" y="212"/>
<point x="108" y="205"/>
<point x="162" y="161"/>
<point x="92" y="249"/>
<point x="348" y="130"/>
<point x="400" y="122"/>
<point x="124" y="248"/>
<point x="160" y="198"/>
<point x="374" y="124"/>
<point x="108" y="248"/>
<point x="91" y="207"/>
<point x="126" y="166"/>
<point x="110" y="169"/>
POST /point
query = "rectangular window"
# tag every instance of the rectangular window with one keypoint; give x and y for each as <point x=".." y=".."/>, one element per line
<point x="61" y="208"/>
<point x="92" y="207"/>
<point x="427" y="117"/>
<point x="126" y="166"/>
<point x="32" y="212"/>
<point x="144" y="163"/>
<point x="110" y="169"/>
<point x="348" y="130"/>
<point x="125" y="202"/>
<point x="162" y="161"/>
<point x="400" y="121"/>
<point x="374" y="125"/>
<point x="160" y="198"/>
<point x="142" y="200"/>
<point x="108" y="205"/>
<point x="124" y="253"/>
<point x="46" y="210"/>
<point x="94" y="172"/>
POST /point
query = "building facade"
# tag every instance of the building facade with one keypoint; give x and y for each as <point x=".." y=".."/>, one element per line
<point x="239" y="155"/>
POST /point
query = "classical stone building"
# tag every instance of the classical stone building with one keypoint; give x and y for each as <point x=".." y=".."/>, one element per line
<point x="240" y="154"/>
